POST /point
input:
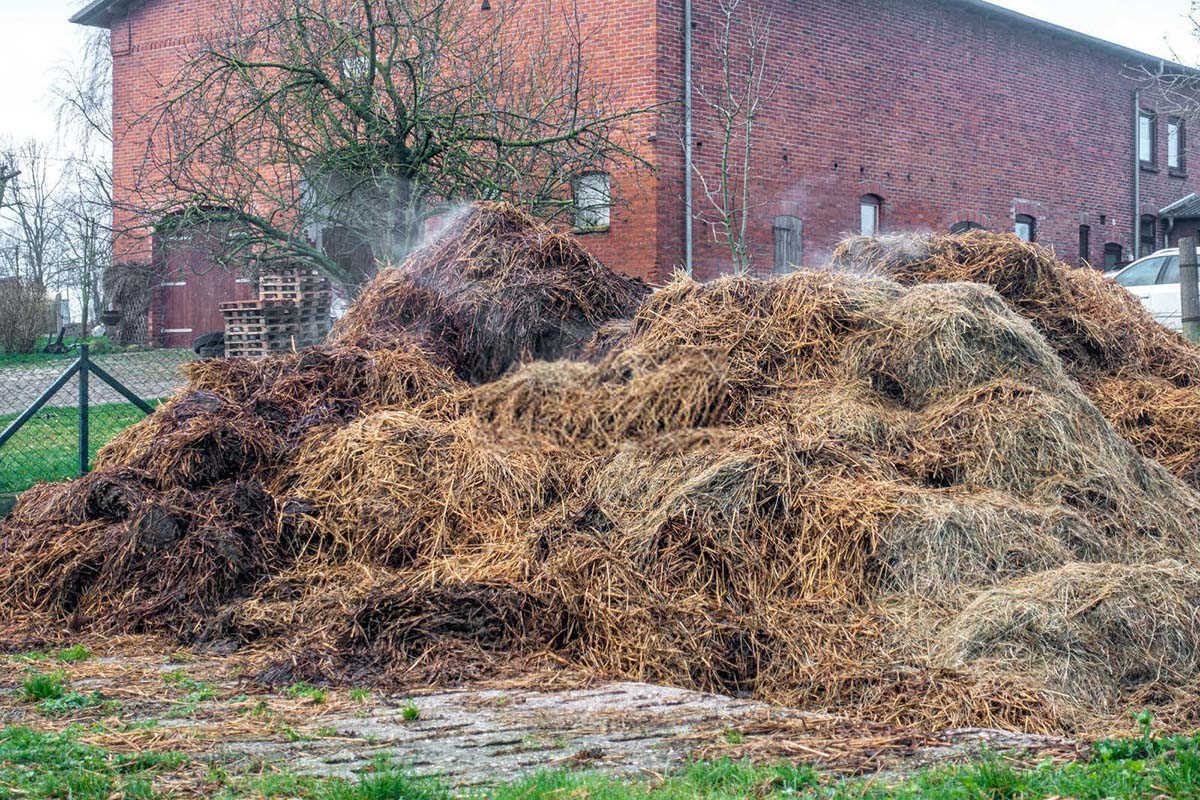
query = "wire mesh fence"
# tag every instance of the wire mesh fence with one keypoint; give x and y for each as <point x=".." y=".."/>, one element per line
<point x="47" y="446"/>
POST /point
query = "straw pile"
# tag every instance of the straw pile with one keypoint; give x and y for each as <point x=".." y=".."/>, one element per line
<point x="895" y="499"/>
<point x="493" y="289"/>
<point x="1143" y="377"/>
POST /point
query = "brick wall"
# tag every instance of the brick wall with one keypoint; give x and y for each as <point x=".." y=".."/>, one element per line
<point x="947" y="113"/>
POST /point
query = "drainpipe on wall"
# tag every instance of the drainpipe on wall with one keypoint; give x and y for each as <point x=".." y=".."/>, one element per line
<point x="687" y="136"/>
<point x="1137" y="174"/>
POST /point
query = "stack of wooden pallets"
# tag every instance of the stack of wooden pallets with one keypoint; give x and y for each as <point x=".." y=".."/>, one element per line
<point x="292" y="311"/>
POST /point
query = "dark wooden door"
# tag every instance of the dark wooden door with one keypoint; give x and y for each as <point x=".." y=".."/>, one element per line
<point x="194" y="284"/>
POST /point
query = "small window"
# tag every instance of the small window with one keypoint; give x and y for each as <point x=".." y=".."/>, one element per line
<point x="868" y="214"/>
<point x="964" y="226"/>
<point x="1175" y="144"/>
<point x="593" y="202"/>
<point x="1149" y="234"/>
<point x="1170" y="273"/>
<point x="1025" y="228"/>
<point x="1142" y="273"/>
<point x="1085" y="244"/>
<point x="789" y="243"/>
<point x="355" y="68"/>
<point x="1146" y="137"/>
<point x="1112" y="256"/>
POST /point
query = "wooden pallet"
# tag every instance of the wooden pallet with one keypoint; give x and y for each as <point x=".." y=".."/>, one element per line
<point x="292" y="311"/>
<point x="293" y="295"/>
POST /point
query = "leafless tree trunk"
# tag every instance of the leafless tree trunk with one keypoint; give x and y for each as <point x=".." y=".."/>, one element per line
<point x="370" y="116"/>
<point x="83" y="88"/>
<point x="34" y="215"/>
<point x="743" y="85"/>
<point x="7" y="173"/>
<point x="87" y="246"/>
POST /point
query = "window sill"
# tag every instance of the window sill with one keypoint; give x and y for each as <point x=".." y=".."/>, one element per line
<point x="1148" y="167"/>
<point x="586" y="231"/>
<point x="1177" y="173"/>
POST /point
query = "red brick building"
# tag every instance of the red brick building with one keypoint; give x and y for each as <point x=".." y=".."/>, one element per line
<point x="906" y="114"/>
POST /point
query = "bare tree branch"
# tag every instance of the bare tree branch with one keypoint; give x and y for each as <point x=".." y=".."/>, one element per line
<point x="367" y="117"/>
<point x="743" y="86"/>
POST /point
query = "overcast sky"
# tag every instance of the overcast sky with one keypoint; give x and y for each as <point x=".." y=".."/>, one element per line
<point x="35" y="37"/>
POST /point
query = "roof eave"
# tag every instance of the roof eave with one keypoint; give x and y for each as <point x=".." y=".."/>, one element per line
<point x="1094" y="41"/>
<point x="100" y="13"/>
<point x="1183" y="204"/>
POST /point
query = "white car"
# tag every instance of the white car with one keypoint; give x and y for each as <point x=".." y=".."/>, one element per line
<point x="1154" y="279"/>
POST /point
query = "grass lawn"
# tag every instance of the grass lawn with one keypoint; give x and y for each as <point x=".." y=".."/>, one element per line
<point x="98" y="345"/>
<point x="47" y="447"/>
<point x="38" y="765"/>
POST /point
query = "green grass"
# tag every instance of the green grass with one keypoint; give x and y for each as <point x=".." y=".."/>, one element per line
<point x="313" y="694"/>
<point x="39" y="766"/>
<point x="96" y="346"/>
<point x="73" y="654"/>
<point x="45" y="686"/>
<point x="47" y="447"/>
<point x="55" y="765"/>
<point x="71" y="701"/>
<point x="195" y="691"/>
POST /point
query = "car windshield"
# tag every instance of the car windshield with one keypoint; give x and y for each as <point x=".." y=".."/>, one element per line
<point x="1143" y="273"/>
<point x="1171" y="273"/>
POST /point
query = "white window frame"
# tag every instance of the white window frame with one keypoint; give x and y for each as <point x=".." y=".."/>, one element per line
<point x="355" y="68"/>
<point x="869" y="213"/>
<point x="1145" y="138"/>
<point x="1030" y="225"/>
<point x="593" y="202"/>
<point x="1174" y="144"/>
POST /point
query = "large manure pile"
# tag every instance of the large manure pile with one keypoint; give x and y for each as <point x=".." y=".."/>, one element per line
<point x="917" y="491"/>
<point x="1142" y="376"/>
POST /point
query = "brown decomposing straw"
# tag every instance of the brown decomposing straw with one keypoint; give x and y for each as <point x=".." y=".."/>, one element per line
<point x="493" y="290"/>
<point x="900" y="495"/>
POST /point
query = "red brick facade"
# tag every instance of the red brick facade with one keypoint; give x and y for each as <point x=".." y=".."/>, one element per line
<point x="946" y="111"/>
<point x="949" y="111"/>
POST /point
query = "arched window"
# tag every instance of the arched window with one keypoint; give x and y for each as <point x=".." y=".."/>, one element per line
<point x="1149" y="234"/>
<point x="1112" y="256"/>
<point x="965" y="225"/>
<point x="1025" y="228"/>
<point x="870" y="214"/>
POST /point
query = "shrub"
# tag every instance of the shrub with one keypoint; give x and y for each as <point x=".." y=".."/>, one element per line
<point x="23" y="315"/>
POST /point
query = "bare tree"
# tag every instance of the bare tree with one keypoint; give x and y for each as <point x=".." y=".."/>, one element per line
<point x="7" y="173"/>
<point x="34" y="215"/>
<point x="83" y="90"/>
<point x="87" y="244"/>
<point x="1174" y="90"/>
<point x="303" y="120"/>
<point x="743" y="85"/>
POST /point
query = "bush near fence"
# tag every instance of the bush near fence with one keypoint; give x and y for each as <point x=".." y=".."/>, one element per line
<point x="23" y="315"/>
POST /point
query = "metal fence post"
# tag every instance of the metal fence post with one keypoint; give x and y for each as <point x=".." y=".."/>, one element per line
<point x="84" y="369"/>
<point x="1189" y="300"/>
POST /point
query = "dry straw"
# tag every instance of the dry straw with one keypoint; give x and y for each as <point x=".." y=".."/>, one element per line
<point x="920" y="491"/>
